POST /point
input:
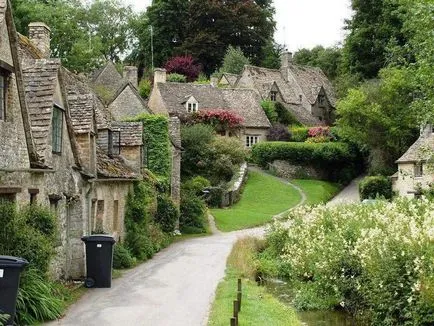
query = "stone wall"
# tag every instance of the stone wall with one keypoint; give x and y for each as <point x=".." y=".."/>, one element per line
<point x="233" y="194"/>
<point x="286" y="170"/>
<point x="127" y="105"/>
<point x="175" y="135"/>
<point x="406" y="183"/>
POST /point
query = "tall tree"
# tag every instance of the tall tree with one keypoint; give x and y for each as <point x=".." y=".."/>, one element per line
<point x="328" y="59"/>
<point x="234" y="61"/>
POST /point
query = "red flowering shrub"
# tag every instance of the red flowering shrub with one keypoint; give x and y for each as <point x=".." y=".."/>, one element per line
<point x="319" y="135"/>
<point x="183" y="65"/>
<point x="220" y="119"/>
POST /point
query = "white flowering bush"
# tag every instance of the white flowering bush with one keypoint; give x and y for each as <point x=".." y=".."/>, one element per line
<point x="376" y="261"/>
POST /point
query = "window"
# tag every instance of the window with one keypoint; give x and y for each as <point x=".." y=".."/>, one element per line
<point x="33" y="194"/>
<point x="3" y="93"/>
<point x="116" y="215"/>
<point x="114" y="142"/>
<point x="321" y="100"/>
<point x="192" y="107"/>
<point x="273" y="96"/>
<point x="251" y="140"/>
<point x="57" y="130"/>
<point x="418" y="170"/>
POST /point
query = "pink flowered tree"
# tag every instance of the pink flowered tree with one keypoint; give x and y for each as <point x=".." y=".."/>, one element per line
<point x="220" y="119"/>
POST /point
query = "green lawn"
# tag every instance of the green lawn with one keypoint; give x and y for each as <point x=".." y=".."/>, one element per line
<point x="264" y="196"/>
<point x="258" y="307"/>
<point x="317" y="191"/>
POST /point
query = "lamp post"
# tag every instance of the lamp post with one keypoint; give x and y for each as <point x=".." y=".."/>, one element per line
<point x="152" y="46"/>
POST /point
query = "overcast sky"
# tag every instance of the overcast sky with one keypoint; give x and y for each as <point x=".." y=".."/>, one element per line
<point x="301" y="23"/>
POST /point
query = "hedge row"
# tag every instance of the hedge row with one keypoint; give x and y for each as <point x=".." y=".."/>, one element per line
<point x="375" y="186"/>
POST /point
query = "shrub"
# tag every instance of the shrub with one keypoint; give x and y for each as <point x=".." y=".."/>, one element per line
<point x="176" y="78"/>
<point x="231" y="147"/>
<point x="192" y="218"/>
<point x="41" y="219"/>
<point x="145" y="88"/>
<point x="195" y="185"/>
<point x="270" y="111"/>
<point x="122" y="257"/>
<point x="375" y="186"/>
<point x="158" y="238"/>
<point x="183" y="65"/>
<point x="299" y="134"/>
<point x="284" y="116"/>
<point x="220" y="119"/>
<point x="167" y="213"/>
<point x="234" y="61"/>
<point x="279" y="132"/>
<point x="215" y="196"/>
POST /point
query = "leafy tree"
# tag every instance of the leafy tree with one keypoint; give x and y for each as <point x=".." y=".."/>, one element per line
<point x="328" y="59"/>
<point x="183" y="65"/>
<point x="234" y="61"/>
<point x="271" y="55"/>
<point x="176" y="78"/>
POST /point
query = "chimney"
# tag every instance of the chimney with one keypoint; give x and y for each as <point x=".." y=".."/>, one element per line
<point x="285" y="60"/>
<point x="39" y="34"/>
<point x="130" y="74"/>
<point x="159" y="76"/>
<point x="214" y="81"/>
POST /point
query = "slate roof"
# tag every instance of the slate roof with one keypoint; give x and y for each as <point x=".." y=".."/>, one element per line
<point x="131" y="132"/>
<point x="244" y="102"/>
<point x="81" y="107"/>
<point x="421" y="150"/>
<point x="231" y="78"/>
<point x="113" y="167"/>
<point x="40" y="81"/>
<point x="3" y="6"/>
<point x="107" y="81"/>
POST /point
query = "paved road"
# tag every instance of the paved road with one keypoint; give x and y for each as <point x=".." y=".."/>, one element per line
<point x="175" y="288"/>
<point x="350" y="194"/>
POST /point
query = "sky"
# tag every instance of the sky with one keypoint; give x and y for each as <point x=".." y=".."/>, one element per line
<point x="301" y="23"/>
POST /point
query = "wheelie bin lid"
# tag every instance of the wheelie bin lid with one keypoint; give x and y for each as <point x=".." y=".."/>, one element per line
<point x="9" y="261"/>
<point x="98" y="238"/>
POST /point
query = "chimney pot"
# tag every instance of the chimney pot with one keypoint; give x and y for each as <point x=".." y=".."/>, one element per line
<point x="130" y="74"/>
<point x="39" y="35"/>
<point x="159" y="76"/>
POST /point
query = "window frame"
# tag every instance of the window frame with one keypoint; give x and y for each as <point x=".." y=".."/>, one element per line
<point x="252" y="140"/>
<point x="4" y="75"/>
<point x="57" y="130"/>
<point x="192" y="106"/>
<point x="418" y="170"/>
<point x="273" y="96"/>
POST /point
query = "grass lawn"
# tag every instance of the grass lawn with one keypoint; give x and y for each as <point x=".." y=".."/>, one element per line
<point x="264" y="196"/>
<point x="258" y="307"/>
<point x="317" y="191"/>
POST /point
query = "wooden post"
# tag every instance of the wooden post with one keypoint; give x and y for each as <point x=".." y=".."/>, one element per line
<point x="239" y="295"/>
<point x="233" y="321"/>
<point x="236" y="312"/>
<point x="239" y="285"/>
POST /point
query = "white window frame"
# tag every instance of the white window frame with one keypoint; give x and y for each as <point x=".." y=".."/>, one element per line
<point x="273" y="96"/>
<point x="252" y="140"/>
<point x="192" y="106"/>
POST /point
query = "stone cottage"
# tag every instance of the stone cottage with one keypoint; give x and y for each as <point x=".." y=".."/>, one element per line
<point x="184" y="99"/>
<point x="305" y="91"/>
<point x="415" y="167"/>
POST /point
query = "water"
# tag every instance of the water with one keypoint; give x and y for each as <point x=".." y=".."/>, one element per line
<point x="282" y="291"/>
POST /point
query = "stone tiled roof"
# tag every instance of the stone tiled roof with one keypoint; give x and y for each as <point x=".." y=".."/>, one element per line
<point x="264" y="79"/>
<point x="27" y="49"/>
<point x="113" y="167"/>
<point x="242" y="101"/>
<point x="131" y="132"/>
<point x="107" y="81"/>
<point x="421" y="150"/>
<point x="231" y="78"/>
<point x="3" y="6"/>
<point x="81" y="107"/>
<point x="303" y="115"/>
<point x="40" y="82"/>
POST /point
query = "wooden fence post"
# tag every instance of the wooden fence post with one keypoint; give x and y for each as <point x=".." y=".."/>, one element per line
<point x="239" y="285"/>
<point x="233" y="321"/>
<point x="236" y="312"/>
<point x="239" y="295"/>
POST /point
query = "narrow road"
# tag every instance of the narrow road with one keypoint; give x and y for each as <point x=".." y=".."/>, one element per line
<point x="348" y="195"/>
<point x="174" y="288"/>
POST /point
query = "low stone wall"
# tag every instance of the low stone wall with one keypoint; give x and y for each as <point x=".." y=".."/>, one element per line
<point x="233" y="194"/>
<point x="286" y="170"/>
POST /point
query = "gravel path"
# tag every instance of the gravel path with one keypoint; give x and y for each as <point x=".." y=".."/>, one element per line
<point x="350" y="194"/>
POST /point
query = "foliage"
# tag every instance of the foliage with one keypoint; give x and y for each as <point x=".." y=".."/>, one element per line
<point x="375" y="186"/>
<point x="231" y="147"/>
<point x="156" y="140"/>
<point x="319" y="135"/>
<point x="193" y="214"/>
<point x="202" y="79"/>
<point x="202" y="29"/>
<point x="234" y="61"/>
<point x="167" y="213"/>
<point x="39" y="299"/>
<point x="220" y="119"/>
<point x="270" y="111"/>
<point x="378" y="116"/>
<point x="95" y="33"/>
<point x="176" y="78"/>
<point x="284" y="116"/>
<point x="183" y="65"/>
<point x="328" y="59"/>
<point x="372" y="260"/>
<point x="299" y="134"/>
<point x="278" y="132"/>
<point x="263" y="197"/>
<point x="335" y="159"/>
<point x="122" y="257"/>
<point x="145" y="88"/>
<point x="195" y="185"/>
<point x="317" y="191"/>
<point x="272" y="52"/>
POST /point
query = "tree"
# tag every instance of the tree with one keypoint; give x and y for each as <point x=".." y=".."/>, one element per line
<point x="234" y="61"/>
<point x="272" y="52"/>
<point x="203" y="29"/>
<point x="328" y="59"/>
<point x="183" y="65"/>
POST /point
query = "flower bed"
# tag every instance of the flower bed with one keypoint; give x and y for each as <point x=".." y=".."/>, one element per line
<point x="375" y="261"/>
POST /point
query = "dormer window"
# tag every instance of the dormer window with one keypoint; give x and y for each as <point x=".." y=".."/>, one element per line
<point x="114" y="142"/>
<point x="3" y="93"/>
<point x="57" y="127"/>
<point x="273" y="96"/>
<point x="321" y="100"/>
<point x="192" y="105"/>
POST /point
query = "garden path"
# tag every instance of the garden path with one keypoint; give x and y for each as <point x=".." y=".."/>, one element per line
<point x="348" y="195"/>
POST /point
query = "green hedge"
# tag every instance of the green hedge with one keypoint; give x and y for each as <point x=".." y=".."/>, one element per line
<point x="375" y="186"/>
<point x="157" y="143"/>
<point x="339" y="161"/>
<point x="299" y="134"/>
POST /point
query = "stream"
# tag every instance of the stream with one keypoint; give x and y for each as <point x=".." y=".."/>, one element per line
<point x="282" y="291"/>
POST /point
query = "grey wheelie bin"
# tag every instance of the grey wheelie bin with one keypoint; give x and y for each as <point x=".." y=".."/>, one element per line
<point x="10" y="271"/>
<point x="99" y="260"/>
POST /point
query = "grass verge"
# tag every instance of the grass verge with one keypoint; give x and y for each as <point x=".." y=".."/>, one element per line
<point x="317" y="191"/>
<point x="264" y="196"/>
<point x="258" y="306"/>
